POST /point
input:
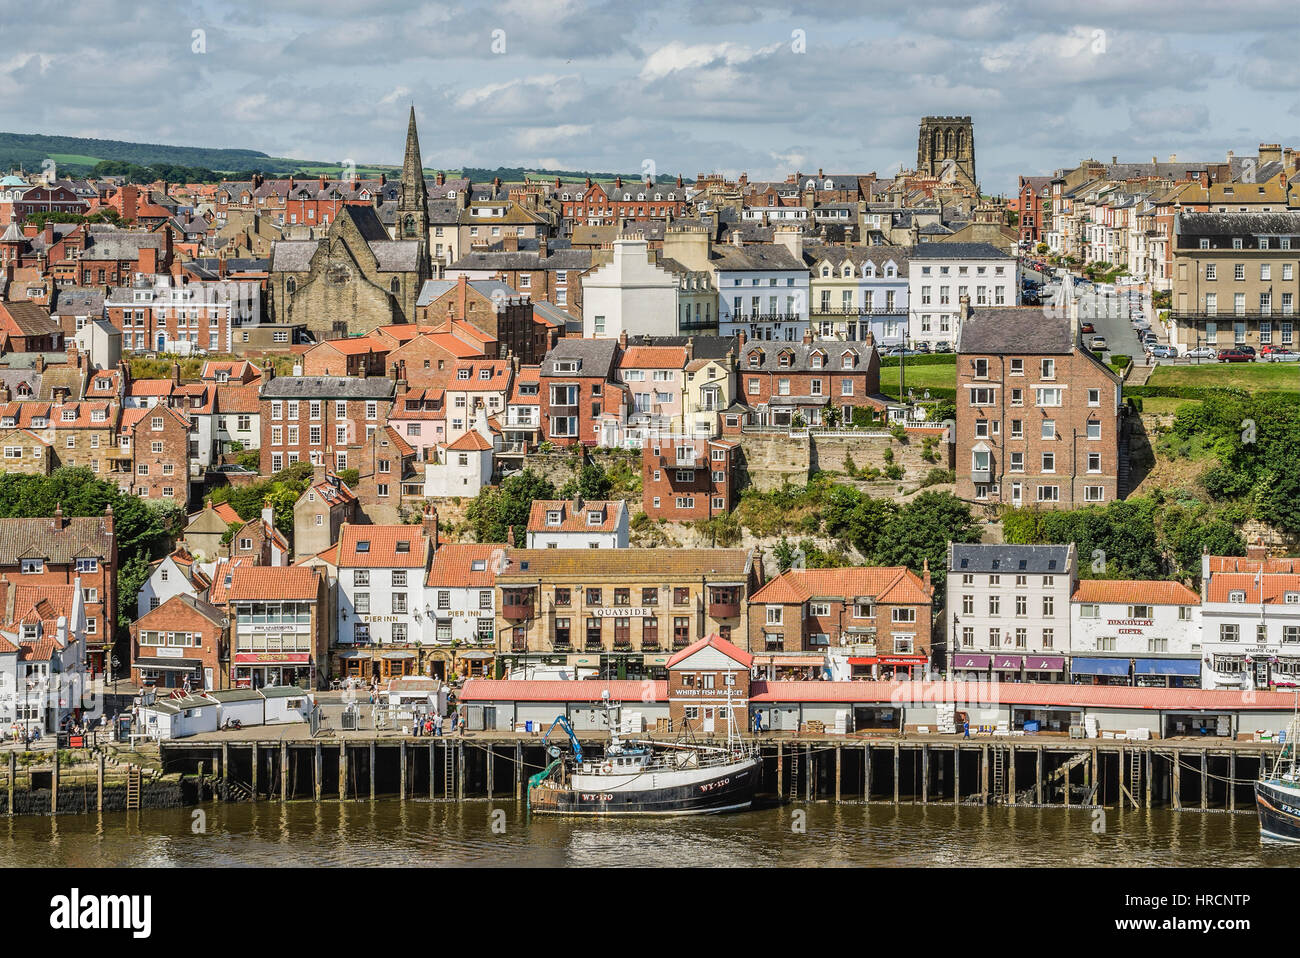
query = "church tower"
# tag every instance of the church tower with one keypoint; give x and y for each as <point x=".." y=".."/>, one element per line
<point x="413" y="201"/>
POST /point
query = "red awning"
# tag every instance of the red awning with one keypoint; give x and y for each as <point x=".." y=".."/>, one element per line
<point x="907" y="660"/>
<point x="863" y="660"/>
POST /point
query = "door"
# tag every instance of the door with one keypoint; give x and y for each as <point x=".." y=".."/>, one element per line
<point x="708" y="720"/>
<point x="489" y="718"/>
<point x="1015" y="493"/>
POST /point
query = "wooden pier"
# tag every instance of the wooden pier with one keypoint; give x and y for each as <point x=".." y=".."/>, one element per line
<point x="1184" y="775"/>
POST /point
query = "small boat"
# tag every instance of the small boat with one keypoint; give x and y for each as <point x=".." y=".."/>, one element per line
<point x="644" y="777"/>
<point x="1277" y="793"/>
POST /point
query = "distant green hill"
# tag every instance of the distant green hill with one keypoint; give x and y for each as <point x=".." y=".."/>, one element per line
<point x="78" y="156"/>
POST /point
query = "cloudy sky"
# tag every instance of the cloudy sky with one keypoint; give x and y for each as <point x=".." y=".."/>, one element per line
<point x="767" y="86"/>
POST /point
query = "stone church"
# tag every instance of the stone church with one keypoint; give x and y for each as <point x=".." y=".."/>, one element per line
<point x="358" y="277"/>
<point x="946" y="149"/>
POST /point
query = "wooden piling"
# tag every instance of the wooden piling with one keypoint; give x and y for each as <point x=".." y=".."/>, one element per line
<point x="1011" y="775"/>
<point x="401" y="767"/>
<point x="1066" y="790"/>
<point x="809" y="786"/>
<point x="318" y="772"/>
<point x="1232" y="781"/>
<point x="254" y="770"/>
<point x="1205" y="780"/>
<point x="519" y="770"/>
<point x="432" y="753"/>
<point x="372" y="770"/>
<point x="925" y="774"/>
<point x="225" y="760"/>
<point x="460" y="771"/>
<point x="1151" y="767"/>
<point x="1038" y="775"/>
<point x="343" y="770"/>
<point x="284" y="771"/>
<point x="866" y="772"/>
<point x="984" y="774"/>
<point x="491" y="779"/>
<point x="780" y="769"/>
<point x="13" y="779"/>
<point x="54" y="791"/>
<point x="1177" y="772"/>
<point x="956" y="775"/>
<point x="839" y="767"/>
<point x="895" y="773"/>
<point x="99" y="784"/>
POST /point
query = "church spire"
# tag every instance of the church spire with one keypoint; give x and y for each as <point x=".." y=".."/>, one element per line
<point x="413" y="204"/>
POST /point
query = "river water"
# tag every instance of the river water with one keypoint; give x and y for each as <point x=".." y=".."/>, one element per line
<point x="417" y="833"/>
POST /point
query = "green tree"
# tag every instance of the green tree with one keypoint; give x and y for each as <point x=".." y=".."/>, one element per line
<point x="495" y="510"/>
<point x="921" y="530"/>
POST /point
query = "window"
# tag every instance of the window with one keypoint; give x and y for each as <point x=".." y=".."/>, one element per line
<point x="1229" y="632"/>
<point x="903" y="615"/>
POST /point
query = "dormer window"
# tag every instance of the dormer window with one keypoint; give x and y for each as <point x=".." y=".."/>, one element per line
<point x="1237" y="596"/>
<point x="553" y="517"/>
<point x="594" y="518"/>
<point x="69" y="415"/>
<point x="848" y="360"/>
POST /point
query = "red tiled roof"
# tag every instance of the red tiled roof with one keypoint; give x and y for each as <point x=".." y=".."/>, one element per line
<point x="896" y="584"/>
<point x="330" y="555"/>
<point x="1140" y="591"/>
<point x="717" y="642"/>
<point x="653" y="357"/>
<point x="381" y="551"/>
<point x="1271" y="590"/>
<point x="272" y="582"/>
<point x="1239" y="564"/>
<point x="529" y="690"/>
<point x="574" y="519"/>
<point x="1021" y="693"/>
<point x="470" y="442"/>
<point x="453" y="565"/>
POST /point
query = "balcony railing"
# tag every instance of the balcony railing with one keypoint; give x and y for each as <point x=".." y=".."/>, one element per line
<point x="517" y="610"/>
<point x="897" y="310"/>
<point x="518" y="645"/>
<point x="724" y="610"/>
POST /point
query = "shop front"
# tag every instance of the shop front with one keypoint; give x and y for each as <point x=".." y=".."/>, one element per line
<point x="1167" y="673"/>
<point x="971" y="667"/>
<point x="171" y="673"/>
<point x="1045" y="668"/>
<point x="394" y="664"/>
<point x="1045" y="720"/>
<point x="356" y="664"/>
<point x="1007" y="668"/>
<point x="790" y="667"/>
<point x="1100" y="671"/>
<point x="258" y="670"/>
<point x="1197" y="724"/>
<point x="473" y="663"/>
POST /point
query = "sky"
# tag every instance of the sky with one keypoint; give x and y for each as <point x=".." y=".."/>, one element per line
<point x="767" y="87"/>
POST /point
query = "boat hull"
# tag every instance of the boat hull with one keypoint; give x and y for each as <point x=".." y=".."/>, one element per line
<point x="1279" y="811"/>
<point x="731" y="789"/>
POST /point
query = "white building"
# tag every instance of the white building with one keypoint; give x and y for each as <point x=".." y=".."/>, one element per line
<point x="460" y="594"/>
<point x="160" y="313"/>
<point x="1250" y="621"/>
<point x="561" y="524"/>
<point x="942" y="273"/>
<point x="42" y="656"/>
<point x="383" y="601"/>
<point x="1144" y="632"/>
<point x="763" y="288"/>
<point x="1008" y="611"/>
<point x="629" y="294"/>
<point x="176" y="574"/>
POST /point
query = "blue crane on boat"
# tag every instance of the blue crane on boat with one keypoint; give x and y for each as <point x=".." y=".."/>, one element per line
<point x="554" y="750"/>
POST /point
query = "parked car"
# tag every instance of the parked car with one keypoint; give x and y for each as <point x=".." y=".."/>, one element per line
<point x="1234" y="355"/>
<point x="1088" y="328"/>
<point x="1164" y="352"/>
<point x="922" y="347"/>
<point x="1248" y="350"/>
<point x="1280" y="355"/>
<point x="1201" y="352"/>
<point x="943" y="346"/>
<point x="1098" y="342"/>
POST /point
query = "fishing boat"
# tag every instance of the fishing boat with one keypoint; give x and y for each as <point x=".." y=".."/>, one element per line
<point x="1277" y="793"/>
<point x="636" y="777"/>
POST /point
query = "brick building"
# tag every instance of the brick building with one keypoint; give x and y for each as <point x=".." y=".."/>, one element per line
<point x="321" y="419"/>
<point x="708" y="687"/>
<point x="887" y="609"/>
<point x="577" y="389"/>
<point x="622" y="611"/>
<point x="781" y="380"/>
<point x="1033" y="223"/>
<point x="684" y="479"/>
<point x="1038" y="416"/>
<point x="503" y="314"/>
<point x="279" y="626"/>
<point x="183" y="639"/>
<point x="56" y="551"/>
<point x="158" y="440"/>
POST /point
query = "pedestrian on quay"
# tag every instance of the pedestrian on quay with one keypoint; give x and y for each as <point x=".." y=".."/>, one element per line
<point x="965" y="729"/>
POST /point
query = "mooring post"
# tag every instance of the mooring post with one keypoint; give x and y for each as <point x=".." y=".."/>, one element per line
<point x="99" y="784"/>
<point x="54" y="792"/>
<point x="1093" y="773"/>
<point x="401" y="767"/>
<point x="1232" y="781"/>
<point x="896" y="767"/>
<point x="1011" y="776"/>
<point x="491" y="770"/>
<point x="284" y="771"/>
<point x="1038" y="775"/>
<point x="318" y="772"/>
<point x="343" y="770"/>
<point x="780" y="767"/>
<point x="1175" y="798"/>
<point x="432" y="753"/>
<point x="225" y="760"/>
<point x="519" y="770"/>
<point x="1150" y="763"/>
<point x="809" y="786"/>
<point x="13" y="784"/>
<point x="1068" y="772"/>
<point x="372" y="769"/>
<point x="254" y="776"/>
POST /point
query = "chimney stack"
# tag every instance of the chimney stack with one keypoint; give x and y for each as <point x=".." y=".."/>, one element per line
<point x="430" y="524"/>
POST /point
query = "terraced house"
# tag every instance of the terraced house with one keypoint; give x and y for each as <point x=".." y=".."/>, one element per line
<point x="782" y="381"/>
<point x="622" y="611"/>
<point x="327" y="420"/>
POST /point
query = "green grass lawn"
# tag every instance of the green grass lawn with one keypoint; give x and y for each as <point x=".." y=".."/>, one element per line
<point x="1250" y="376"/>
<point x="918" y="377"/>
<point x="74" y="158"/>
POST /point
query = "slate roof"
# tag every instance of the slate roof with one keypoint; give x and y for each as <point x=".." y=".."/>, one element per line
<point x="329" y="387"/>
<point x="1037" y="560"/>
<point x="1228" y="224"/>
<point x="596" y="355"/>
<point x="1014" y="329"/>
<point x="566" y="259"/>
<point x="80" y="537"/>
<point x="958" y="251"/>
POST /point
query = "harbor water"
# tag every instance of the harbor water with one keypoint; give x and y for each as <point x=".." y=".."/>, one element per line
<point x="479" y="833"/>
